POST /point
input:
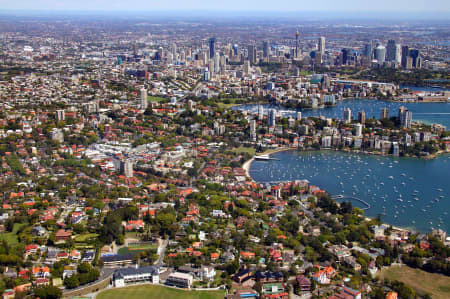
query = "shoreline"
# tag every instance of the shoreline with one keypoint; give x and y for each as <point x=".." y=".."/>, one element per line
<point x="248" y="163"/>
<point x="246" y="166"/>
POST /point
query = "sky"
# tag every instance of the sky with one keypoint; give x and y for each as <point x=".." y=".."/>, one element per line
<point x="230" y="5"/>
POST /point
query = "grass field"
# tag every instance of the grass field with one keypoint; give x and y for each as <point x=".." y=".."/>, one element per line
<point x="85" y="237"/>
<point x="137" y="248"/>
<point x="11" y="238"/>
<point x="156" y="99"/>
<point x="157" y="292"/>
<point x="422" y="282"/>
<point x="225" y="106"/>
<point x="230" y="102"/>
<point x="243" y="150"/>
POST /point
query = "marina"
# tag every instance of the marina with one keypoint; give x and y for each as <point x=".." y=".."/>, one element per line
<point x="407" y="192"/>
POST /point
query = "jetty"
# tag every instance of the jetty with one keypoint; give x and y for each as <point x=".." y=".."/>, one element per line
<point x="341" y="196"/>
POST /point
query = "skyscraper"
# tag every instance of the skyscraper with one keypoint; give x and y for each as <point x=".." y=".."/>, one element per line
<point x="143" y="99"/>
<point x="380" y="54"/>
<point x="266" y="49"/>
<point x="252" y="54"/>
<point x="390" y="50"/>
<point x="401" y="110"/>
<point x="345" y="56"/>
<point x="212" y="47"/>
<point x="368" y="51"/>
<point x="271" y="119"/>
<point x="358" y="131"/>
<point x="235" y="50"/>
<point x="322" y="45"/>
<point x="127" y="168"/>
<point x="406" y="118"/>
<point x="296" y="43"/>
<point x="405" y="55"/>
<point x="347" y="115"/>
<point x="414" y="54"/>
<point x="60" y="115"/>
<point x="384" y="113"/>
<point x="362" y="117"/>
<point x="253" y="130"/>
<point x="260" y="112"/>
<point x="398" y="53"/>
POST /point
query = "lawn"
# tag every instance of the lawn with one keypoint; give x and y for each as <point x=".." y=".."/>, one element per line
<point x="153" y="291"/>
<point x="226" y="106"/>
<point x="156" y="99"/>
<point x="137" y="248"/>
<point x="230" y="102"/>
<point x="85" y="237"/>
<point x="11" y="238"/>
<point x="243" y="150"/>
<point x="422" y="282"/>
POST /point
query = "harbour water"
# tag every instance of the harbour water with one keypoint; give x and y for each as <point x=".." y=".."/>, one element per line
<point x="426" y="112"/>
<point x="407" y="192"/>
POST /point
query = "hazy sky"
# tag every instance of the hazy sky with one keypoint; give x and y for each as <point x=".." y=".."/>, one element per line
<point x="231" y="5"/>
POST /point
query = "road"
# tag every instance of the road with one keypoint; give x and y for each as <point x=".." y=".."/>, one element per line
<point x="105" y="273"/>
<point x="162" y="252"/>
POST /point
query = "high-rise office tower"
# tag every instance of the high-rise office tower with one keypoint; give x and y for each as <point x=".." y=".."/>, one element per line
<point x="368" y="51"/>
<point x="217" y="63"/>
<point x="266" y="50"/>
<point x="405" y="55"/>
<point x="398" y="53"/>
<point x="345" y="56"/>
<point x="252" y="54"/>
<point x="384" y="113"/>
<point x="235" y="50"/>
<point x="391" y="48"/>
<point x="297" y="34"/>
<point x="212" y="47"/>
<point x="362" y="117"/>
<point x="347" y="115"/>
<point x="380" y="54"/>
<point x="322" y="45"/>
<point x="143" y="99"/>
<point x="246" y="67"/>
<point x="414" y="54"/>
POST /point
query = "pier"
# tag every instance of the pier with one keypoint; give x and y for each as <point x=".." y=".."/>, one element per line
<point x="341" y="196"/>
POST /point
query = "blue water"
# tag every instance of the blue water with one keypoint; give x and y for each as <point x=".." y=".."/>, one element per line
<point x="426" y="112"/>
<point x="388" y="184"/>
<point x="422" y="88"/>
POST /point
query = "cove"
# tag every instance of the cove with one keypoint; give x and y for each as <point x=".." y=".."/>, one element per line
<point x="407" y="192"/>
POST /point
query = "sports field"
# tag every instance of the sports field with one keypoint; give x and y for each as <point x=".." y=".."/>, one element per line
<point x="422" y="282"/>
<point x="157" y="292"/>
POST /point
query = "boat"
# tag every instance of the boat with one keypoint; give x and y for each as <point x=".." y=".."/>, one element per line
<point x="263" y="158"/>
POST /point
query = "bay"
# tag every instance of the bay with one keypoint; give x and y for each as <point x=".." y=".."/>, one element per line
<point x="408" y="192"/>
<point x="428" y="113"/>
